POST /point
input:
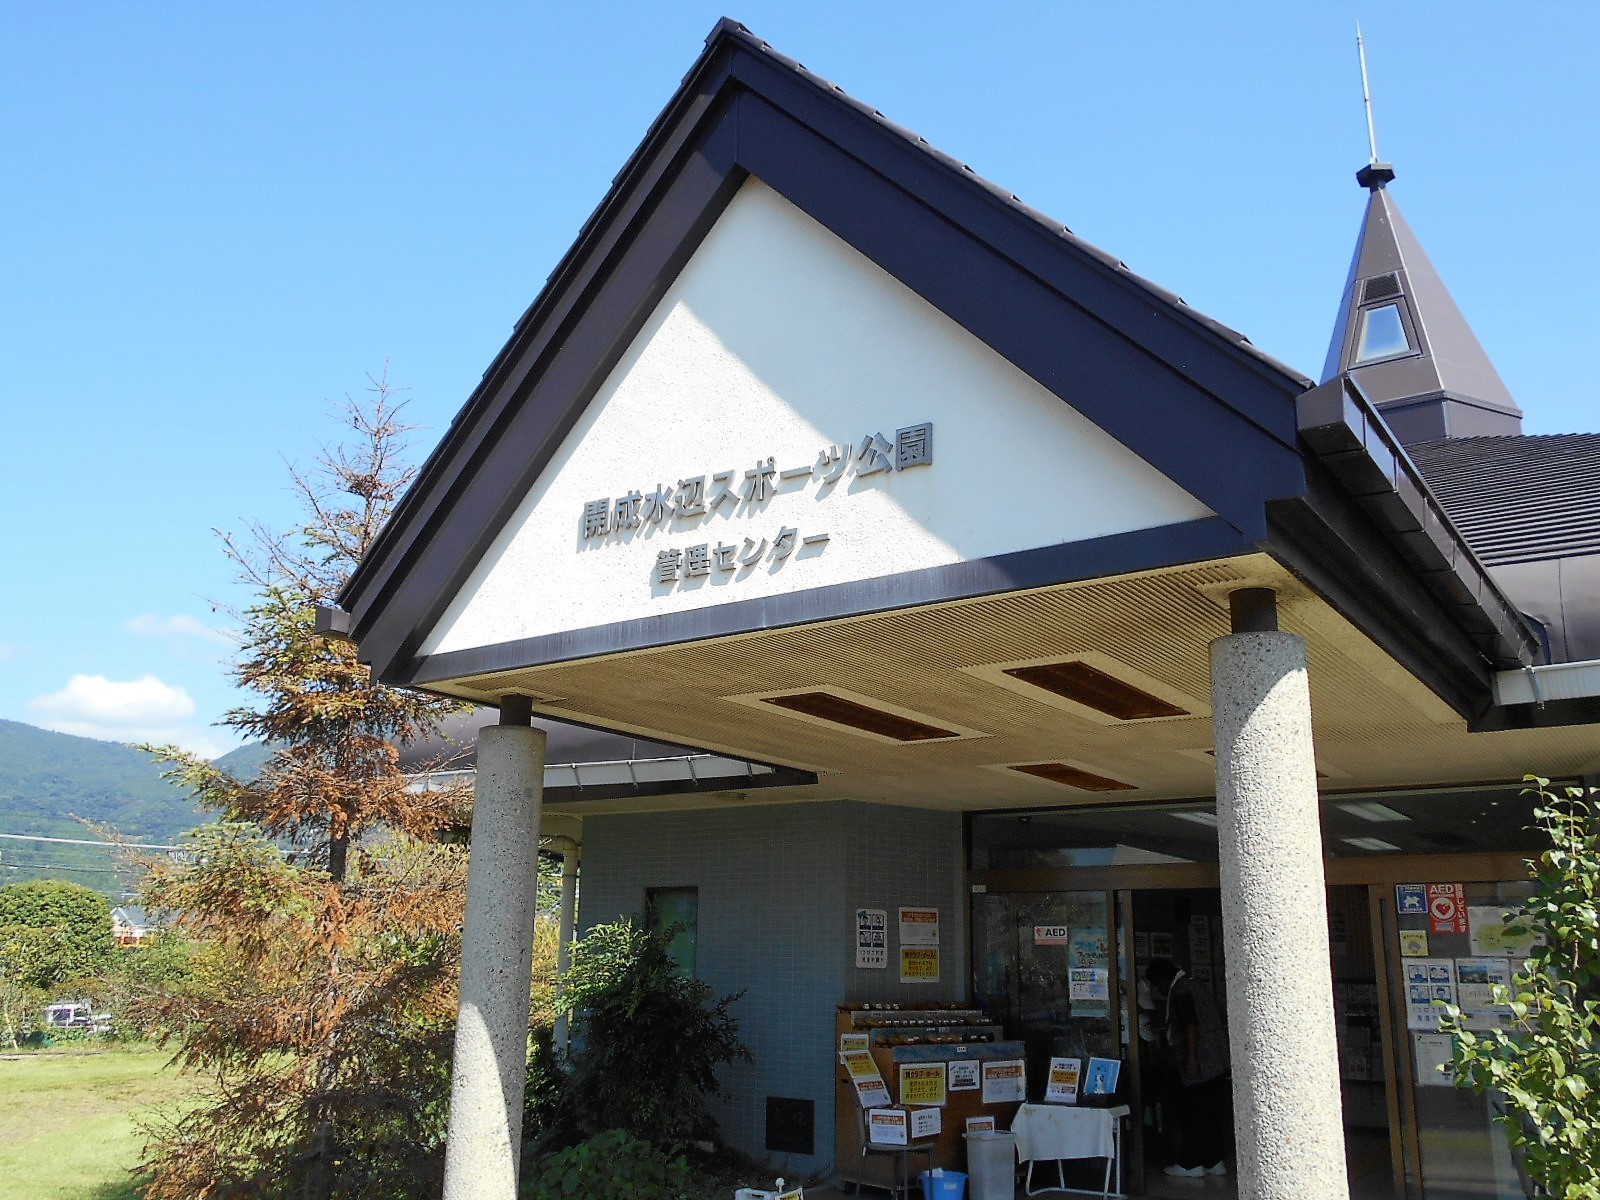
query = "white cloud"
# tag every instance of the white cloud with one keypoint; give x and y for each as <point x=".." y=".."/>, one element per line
<point x="134" y="710"/>
<point x="177" y="625"/>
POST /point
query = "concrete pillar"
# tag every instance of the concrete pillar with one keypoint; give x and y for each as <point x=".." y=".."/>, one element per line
<point x="569" y="913"/>
<point x="1288" y="1119"/>
<point x="484" y="1147"/>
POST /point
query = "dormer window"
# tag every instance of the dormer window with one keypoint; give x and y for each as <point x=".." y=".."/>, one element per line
<point x="1382" y="334"/>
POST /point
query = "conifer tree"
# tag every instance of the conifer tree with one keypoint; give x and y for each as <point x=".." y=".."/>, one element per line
<point x="325" y="909"/>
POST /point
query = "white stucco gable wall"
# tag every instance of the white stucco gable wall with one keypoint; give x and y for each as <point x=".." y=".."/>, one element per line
<point x="778" y="341"/>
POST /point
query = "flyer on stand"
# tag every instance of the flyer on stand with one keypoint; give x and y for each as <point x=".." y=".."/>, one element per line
<point x="1005" y="1081"/>
<point x="922" y="1083"/>
<point x="1062" y="1085"/>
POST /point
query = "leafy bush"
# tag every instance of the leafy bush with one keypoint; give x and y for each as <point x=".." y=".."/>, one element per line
<point x="650" y="1039"/>
<point x="1546" y="1066"/>
<point x="612" y="1165"/>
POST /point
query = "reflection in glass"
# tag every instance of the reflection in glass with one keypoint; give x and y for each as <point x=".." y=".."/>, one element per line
<point x="1382" y="334"/>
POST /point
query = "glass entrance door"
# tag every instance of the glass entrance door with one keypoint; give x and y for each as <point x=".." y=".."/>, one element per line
<point x="1045" y="965"/>
<point x="1454" y="1149"/>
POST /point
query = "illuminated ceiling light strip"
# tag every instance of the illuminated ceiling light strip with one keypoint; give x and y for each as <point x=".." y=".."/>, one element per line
<point x="1093" y="688"/>
<point x="838" y="710"/>
<point x="1371" y="810"/>
<point x="1369" y="843"/>
<point x="1075" y="777"/>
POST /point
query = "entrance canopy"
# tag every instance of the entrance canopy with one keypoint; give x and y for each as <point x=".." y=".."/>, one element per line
<point x="821" y="452"/>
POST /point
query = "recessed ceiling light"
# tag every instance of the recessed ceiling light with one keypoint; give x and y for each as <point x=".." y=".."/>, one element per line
<point x="1369" y="843"/>
<point x="1092" y="688"/>
<point x="1077" y="777"/>
<point x="828" y="707"/>
<point x="1371" y="810"/>
<point x="1198" y="817"/>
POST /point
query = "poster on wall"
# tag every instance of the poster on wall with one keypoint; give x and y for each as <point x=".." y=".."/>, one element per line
<point x="1061" y="1086"/>
<point x="1447" y="908"/>
<point x="1413" y="943"/>
<point x="1428" y="980"/>
<point x="922" y="1083"/>
<point x="872" y="938"/>
<point x="1004" y="1081"/>
<point x="1410" y="899"/>
<point x="1141" y="947"/>
<point x="1493" y="933"/>
<point x="1088" y="973"/>
<point x="1050" y="935"/>
<point x="1199" y="940"/>
<point x="1432" y="1054"/>
<point x="963" y="1076"/>
<point x="919" y="964"/>
<point x="1160" y="945"/>
<point x="1476" y="980"/>
<point x="919" y="926"/>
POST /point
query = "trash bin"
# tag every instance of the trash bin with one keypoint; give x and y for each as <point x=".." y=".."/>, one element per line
<point x="940" y="1184"/>
<point x="992" y="1164"/>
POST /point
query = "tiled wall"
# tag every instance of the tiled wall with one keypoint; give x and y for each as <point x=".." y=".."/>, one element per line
<point x="779" y="885"/>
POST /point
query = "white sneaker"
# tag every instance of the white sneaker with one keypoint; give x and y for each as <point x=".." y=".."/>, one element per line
<point x="1186" y="1172"/>
<point x="1217" y="1168"/>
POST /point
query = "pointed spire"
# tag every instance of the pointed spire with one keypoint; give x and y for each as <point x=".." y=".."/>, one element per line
<point x="1400" y="335"/>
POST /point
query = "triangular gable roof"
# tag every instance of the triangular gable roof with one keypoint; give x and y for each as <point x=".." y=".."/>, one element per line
<point x="1191" y="397"/>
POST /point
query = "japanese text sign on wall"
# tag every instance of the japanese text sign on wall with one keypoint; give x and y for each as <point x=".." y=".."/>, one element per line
<point x="1447" y="908"/>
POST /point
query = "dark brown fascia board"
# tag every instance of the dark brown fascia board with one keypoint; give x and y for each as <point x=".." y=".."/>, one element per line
<point x="1372" y="538"/>
<point x="677" y="183"/>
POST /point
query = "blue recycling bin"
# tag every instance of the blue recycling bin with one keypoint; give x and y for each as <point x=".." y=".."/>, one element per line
<point x="947" y="1185"/>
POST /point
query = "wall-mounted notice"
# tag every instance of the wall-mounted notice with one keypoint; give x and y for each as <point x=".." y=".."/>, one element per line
<point x="1410" y="899"/>
<point x="1050" y="935"/>
<point x="1476" y="979"/>
<point x="1005" y="1081"/>
<point x="854" y="1041"/>
<point x="1199" y="940"/>
<point x="1413" y="943"/>
<point x="919" y="964"/>
<point x="1447" y="908"/>
<point x="926" y="1122"/>
<point x="872" y="938"/>
<point x="1427" y="980"/>
<point x="922" y="1083"/>
<point x="919" y="926"/>
<point x="963" y="1076"/>
<point x="1101" y="1078"/>
<point x="1494" y="933"/>
<point x="1432" y="1054"/>
<point x="1088" y="973"/>
<point x="1062" y="1085"/>
<point x="887" y="1126"/>
<point x="1141" y="946"/>
<point x="864" y="1077"/>
<point x="1160" y="945"/>
<point x="1087" y="983"/>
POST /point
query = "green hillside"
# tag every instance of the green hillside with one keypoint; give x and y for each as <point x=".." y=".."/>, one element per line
<point x="47" y="780"/>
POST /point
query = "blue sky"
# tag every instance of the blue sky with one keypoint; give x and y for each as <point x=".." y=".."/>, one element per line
<point x="216" y="220"/>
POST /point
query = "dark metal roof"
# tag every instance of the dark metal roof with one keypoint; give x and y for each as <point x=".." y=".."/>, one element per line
<point x="1518" y="498"/>
<point x="1442" y="384"/>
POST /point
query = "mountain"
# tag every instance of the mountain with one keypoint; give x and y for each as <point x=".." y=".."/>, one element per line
<point x="48" y="779"/>
<point x="245" y="762"/>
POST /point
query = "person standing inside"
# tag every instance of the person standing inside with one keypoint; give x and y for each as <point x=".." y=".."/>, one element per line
<point x="1198" y="1037"/>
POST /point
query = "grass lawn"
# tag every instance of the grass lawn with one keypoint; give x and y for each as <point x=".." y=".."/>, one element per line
<point x="67" y="1124"/>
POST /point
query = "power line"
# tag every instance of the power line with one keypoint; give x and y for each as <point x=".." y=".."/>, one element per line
<point x="33" y="837"/>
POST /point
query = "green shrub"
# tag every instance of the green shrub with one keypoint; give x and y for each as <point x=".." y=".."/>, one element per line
<point x="649" y="1039"/>
<point x="1546" y="1065"/>
<point x="612" y="1165"/>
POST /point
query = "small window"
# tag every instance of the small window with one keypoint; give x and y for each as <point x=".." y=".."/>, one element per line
<point x="677" y="909"/>
<point x="1383" y="334"/>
